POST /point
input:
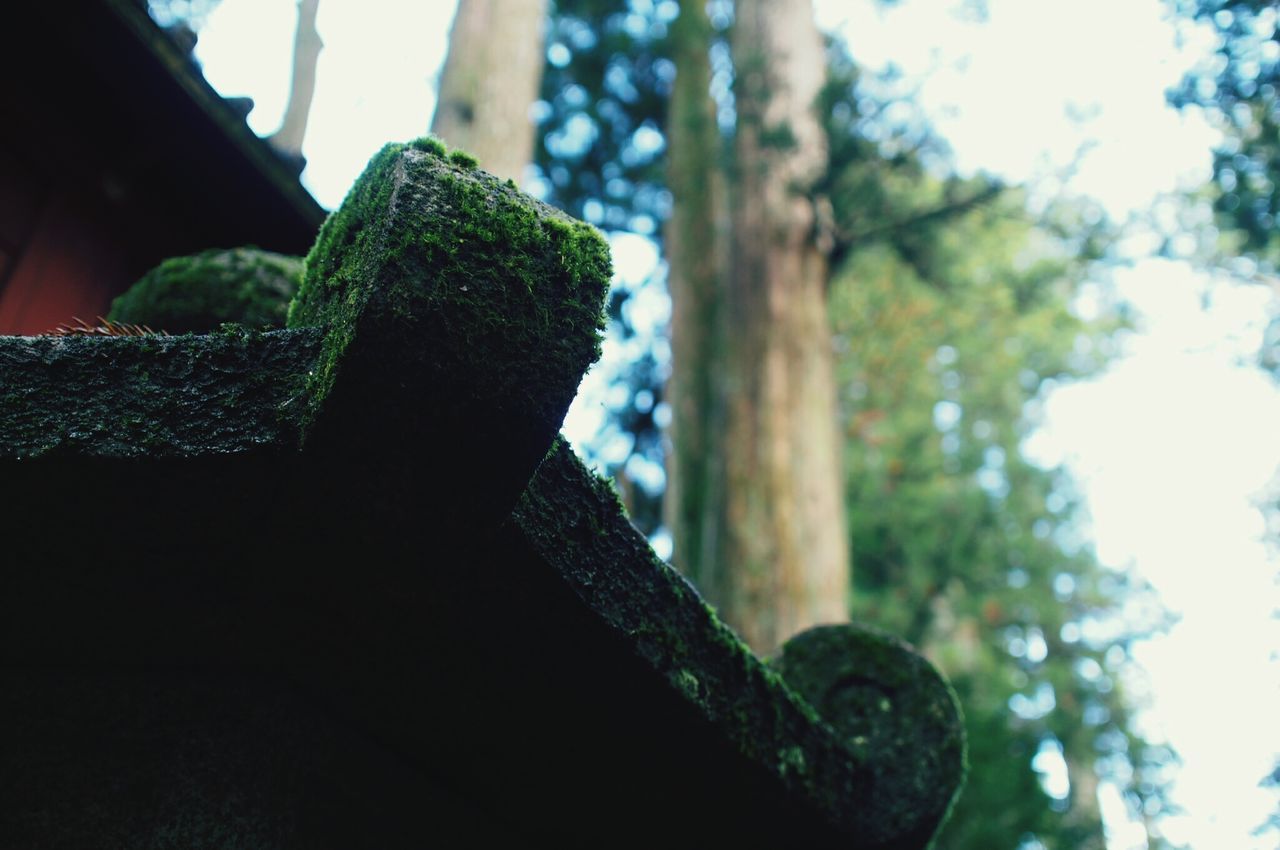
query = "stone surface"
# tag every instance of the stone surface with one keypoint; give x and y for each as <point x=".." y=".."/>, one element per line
<point x="884" y="779"/>
<point x="340" y="585"/>
<point x="198" y="293"/>
<point x="473" y="306"/>
<point x="893" y="711"/>
<point x="152" y="396"/>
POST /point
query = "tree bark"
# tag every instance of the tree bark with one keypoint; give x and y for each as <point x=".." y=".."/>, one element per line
<point x="490" y="79"/>
<point x="1084" y="818"/>
<point x="758" y="507"/>
<point x="302" y="87"/>
<point x="697" y="261"/>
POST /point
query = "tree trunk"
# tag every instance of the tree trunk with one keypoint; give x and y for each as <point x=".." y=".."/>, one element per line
<point x="764" y="530"/>
<point x="490" y="79"/>
<point x="1084" y="818"/>
<point x="697" y="261"/>
<point x="302" y="86"/>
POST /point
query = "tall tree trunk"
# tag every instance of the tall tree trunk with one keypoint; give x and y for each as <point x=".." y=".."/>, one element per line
<point x="490" y="79"/>
<point x="697" y="263"/>
<point x="764" y="532"/>
<point x="1084" y="818"/>
<point x="302" y="87"/>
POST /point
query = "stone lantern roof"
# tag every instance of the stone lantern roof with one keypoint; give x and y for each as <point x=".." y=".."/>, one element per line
<point x="342" y="584"/>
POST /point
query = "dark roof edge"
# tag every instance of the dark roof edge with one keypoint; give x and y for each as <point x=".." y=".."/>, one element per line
<point x="255" y="149"/>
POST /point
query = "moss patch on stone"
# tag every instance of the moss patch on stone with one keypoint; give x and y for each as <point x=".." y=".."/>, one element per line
<point x="440" y="332"/>
<point x="152" y="396"/>
<point x="462" y="159"/>
<point x="431" y="145"/>
<point x="487" y="292"/>
<point x="199" y="292"/>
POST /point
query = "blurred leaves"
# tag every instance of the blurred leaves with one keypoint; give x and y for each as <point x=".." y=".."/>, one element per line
<point x="951" y="322"/>
<point x="604" y="97"/>
<point x="1238" y="89"/>
<point x="963" y="546"/>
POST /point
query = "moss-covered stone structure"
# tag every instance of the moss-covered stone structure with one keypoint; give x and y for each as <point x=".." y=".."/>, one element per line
<point x="341" y="585"/>
<point x="199" y="293"/>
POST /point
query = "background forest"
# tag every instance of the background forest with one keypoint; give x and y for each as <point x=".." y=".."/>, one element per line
<point x="927" y="309"/>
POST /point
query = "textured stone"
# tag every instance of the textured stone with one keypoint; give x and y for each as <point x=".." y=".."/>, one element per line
<point x="152" y="396"/>
<point x="857" y="725"/>
<point x="341" y="585"/>
<point x="893" y="711"/>
<point x="198" y="293"/>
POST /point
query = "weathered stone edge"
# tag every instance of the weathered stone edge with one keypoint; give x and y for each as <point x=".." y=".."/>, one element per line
<point x="438" y="300"/>
<point x="886" y="701"/>
<point x="428" y="255"/>
<point x="574" y="521"/>
<point x="154" y="396"/>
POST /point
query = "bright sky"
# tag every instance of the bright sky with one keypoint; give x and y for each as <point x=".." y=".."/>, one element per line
<point x="1171" y="445"/>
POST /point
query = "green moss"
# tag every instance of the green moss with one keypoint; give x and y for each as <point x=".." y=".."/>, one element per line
<point x="688" y="683"/>
<point x="431" y="145"/>
<point x="424" y="249"/>
<point x="791" y="760"/>
<point x="132" y="397"/>
<point x="462" y="159"/>
<point x="196" y="293"/>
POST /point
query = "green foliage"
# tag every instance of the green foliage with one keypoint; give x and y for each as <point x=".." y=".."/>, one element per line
<point x="604" y="97"/>
<point x="960" y="544"/>
<point x="951" y="306"/>
<point x="1240" y="88"/>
